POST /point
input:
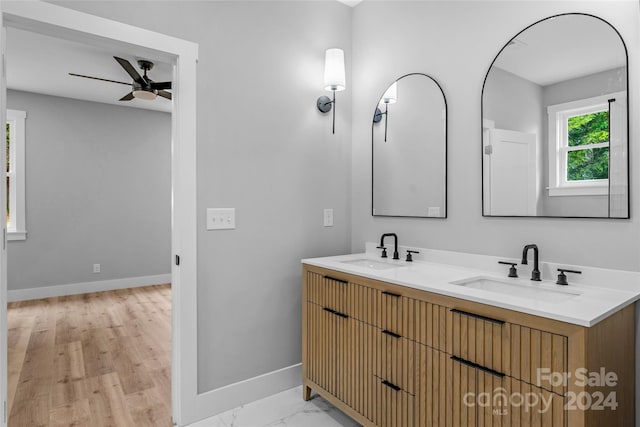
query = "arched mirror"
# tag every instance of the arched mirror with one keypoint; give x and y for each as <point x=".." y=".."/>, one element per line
<point x="554" y="122"/>
<point x="409" y="143"/>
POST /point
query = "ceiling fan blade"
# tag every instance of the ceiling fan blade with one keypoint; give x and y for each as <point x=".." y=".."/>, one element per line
<point x="98" y="78"/>
<point x="164" y="94"/>
<point x="160" y="85"/>
<point x="127" y="97"/>
<point x="131" y="71"/>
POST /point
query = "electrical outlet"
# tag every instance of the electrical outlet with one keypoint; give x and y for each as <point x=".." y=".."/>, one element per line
<point x="96" y="268"/>
<point x="221" y="218"/>
<point x="328" y="217"/>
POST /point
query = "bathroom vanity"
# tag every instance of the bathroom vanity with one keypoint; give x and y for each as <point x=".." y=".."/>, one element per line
<point x="393" y="343"/>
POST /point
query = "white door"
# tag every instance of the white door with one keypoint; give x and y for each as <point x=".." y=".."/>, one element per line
<point x="510" y="183"/>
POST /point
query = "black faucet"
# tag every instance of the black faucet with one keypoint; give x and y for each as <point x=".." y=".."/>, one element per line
<point x="395" y="250"/>
<point x="535" y="273"/>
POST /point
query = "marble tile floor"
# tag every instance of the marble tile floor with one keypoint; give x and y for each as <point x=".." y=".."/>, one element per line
<point x="286" y="409"/>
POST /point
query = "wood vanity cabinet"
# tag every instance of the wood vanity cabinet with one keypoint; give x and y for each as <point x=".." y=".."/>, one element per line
<point x="389" y="355"/>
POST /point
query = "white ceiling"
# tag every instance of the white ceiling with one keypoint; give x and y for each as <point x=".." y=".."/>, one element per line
<point x="41" y="64"/>
<point x="563" y="48"/>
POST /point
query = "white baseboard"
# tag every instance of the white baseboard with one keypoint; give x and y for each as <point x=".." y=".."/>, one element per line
<point x="86" y="287"/>
<point x="233" y="395"/>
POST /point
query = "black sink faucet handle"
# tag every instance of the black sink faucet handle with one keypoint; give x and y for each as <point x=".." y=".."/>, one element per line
<point x="513" y="272"/>
<point x="409" y="255"/>
<point x="384" y="251"/>
<point x="562" y="278"/>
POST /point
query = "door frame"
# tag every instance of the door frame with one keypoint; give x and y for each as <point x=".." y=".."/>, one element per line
<point x="70" y="24"/>
<point x="487" y="125"/>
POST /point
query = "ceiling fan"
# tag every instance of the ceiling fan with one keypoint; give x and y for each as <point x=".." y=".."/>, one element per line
<point x="142" y="86"/>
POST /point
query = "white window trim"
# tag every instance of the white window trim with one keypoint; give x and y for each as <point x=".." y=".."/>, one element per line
<point x="558" y="115"/>
<point x="17" y="229"/>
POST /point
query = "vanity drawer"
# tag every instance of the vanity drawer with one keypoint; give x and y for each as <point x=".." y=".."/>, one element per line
<point x="395" y="360"/>
<point x="514" y="350"/>
<point x="394" y="406"/>
<point x="396" y="313"/>
<point x="531" y="350"/>
<point x="328" y="291"/>
<point x="362" y="302"/>
<point x="430" y="324"/>
<point x="479" y="339"/>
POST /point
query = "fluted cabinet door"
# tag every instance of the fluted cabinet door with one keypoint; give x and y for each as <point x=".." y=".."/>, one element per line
<point x="321" y="342"/>
<point x="358" y="392"/>
<point x="433" y="387"/>
<point x="463" y="392"/>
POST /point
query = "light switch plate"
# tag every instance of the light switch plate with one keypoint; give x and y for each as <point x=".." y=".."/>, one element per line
<point x="221" y="218"/>
<point x="328" y="217"/>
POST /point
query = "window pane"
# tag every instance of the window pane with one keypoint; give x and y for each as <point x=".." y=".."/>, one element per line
<point x="587" y="129"/>
<point x="590" y="163"/>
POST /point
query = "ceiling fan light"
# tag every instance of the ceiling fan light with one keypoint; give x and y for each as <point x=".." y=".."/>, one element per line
<point x="147" y="95"/>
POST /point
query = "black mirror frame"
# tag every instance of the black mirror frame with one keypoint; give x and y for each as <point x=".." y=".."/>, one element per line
<point x="446" y="152"/>
<point x="626" y="52"/>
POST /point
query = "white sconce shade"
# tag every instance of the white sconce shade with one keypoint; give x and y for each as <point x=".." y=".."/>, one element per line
<point x="391" y="95"/>
<point x="334" y="76"/>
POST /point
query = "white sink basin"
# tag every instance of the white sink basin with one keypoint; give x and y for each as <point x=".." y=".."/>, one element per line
<point x="372" y="264"/>
<point x="534" y="291"/>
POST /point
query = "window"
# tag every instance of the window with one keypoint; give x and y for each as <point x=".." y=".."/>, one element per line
<point x="579" y="147"/>
<point x="15" y="174"/>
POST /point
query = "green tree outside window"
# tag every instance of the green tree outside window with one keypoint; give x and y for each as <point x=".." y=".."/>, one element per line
<point x="588" y="163"/>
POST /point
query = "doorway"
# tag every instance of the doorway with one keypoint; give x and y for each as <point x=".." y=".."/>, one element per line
<point x="68" y="24"/>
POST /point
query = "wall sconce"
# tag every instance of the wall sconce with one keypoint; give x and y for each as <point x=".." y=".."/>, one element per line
<point x="334" y="80"/>
<point x="390" y="97"/>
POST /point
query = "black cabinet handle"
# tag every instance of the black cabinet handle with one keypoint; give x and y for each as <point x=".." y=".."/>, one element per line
<point x="392" y="334"/>
<point x="478" y="316"/>
<point x="480" y="367"/>
<point x="391" y="385"/>
<point x="344" y="282"/>
<point x="337" y="313"/>
<point x="391" y="294"/>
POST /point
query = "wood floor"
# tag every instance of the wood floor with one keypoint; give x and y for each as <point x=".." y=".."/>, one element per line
<point x="100" y="359"/>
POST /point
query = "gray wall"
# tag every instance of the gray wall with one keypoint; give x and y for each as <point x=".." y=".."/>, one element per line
<point x="572" y="90"/>
<point x="264" y="149"/>
<point x="97" y="191"/>
<point x="455" y="43"/>
<point x="513" y="103"/>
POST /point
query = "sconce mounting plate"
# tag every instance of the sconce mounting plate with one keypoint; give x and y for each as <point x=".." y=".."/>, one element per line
<point x="377" y="116"/>
<point x="324" y="104"/>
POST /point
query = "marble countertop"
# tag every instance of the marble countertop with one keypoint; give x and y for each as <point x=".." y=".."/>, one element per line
<point x="588" y="307"/>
